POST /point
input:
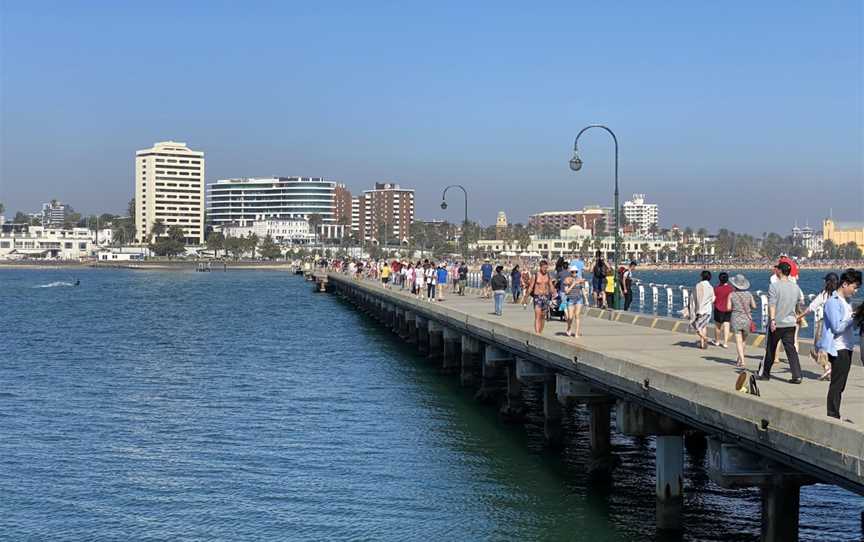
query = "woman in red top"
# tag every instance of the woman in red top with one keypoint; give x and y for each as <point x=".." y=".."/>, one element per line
<point x="722" y="314"/>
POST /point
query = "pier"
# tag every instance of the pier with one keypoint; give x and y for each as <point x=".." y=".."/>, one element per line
<point x="644" y="370"/>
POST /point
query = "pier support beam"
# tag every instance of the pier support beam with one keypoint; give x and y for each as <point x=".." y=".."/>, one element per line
<point x="403" y="324"/>
<point x="552" y="414"/>
<point x="436" y="340"/>
<point x="780" y="510"/>
<point x="422" y="334"/>
<point x="670" y="481"/>
<point x="602" y="461"/>
<point x="472" y="356"/>
<point x="493" y="381"/>
<point x="513" y="410"/>
<point x="452" y="351"/>
<point x="397" y="319"/>
<point x="731" y="466"/>
<point x="410" y="328"/>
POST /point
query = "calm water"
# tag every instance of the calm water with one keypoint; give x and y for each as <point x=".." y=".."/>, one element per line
<point x="241" y="406"/>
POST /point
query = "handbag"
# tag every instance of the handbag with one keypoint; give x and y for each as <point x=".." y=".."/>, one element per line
<point x="746" y="383"/>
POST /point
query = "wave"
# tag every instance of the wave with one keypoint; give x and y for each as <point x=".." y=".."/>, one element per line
<point x="54" y="284"/>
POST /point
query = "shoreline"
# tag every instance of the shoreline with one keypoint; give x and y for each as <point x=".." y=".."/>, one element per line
<point x="154" y="266"/>
<point x="261" y="265"/>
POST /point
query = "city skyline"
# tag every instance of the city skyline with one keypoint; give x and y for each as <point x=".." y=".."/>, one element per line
<point x="720" y="133"/>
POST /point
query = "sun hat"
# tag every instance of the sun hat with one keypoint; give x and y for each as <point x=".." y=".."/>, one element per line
<point x="740" y="282"/>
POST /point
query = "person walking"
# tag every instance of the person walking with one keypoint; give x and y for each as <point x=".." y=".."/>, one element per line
<point x="722" y="314"/>
<point x="740" y="305"/>
<point x="385" y="275"/>
<point x="463" y="277"/>
<point x="702" y="303"/>
<point x="609" y="289"/>
<point x="441" y="281"/>
<point x="832" y="282"/>
<point x="573" y="298"/>
<point x="598" y="280"/>
<point x="526" y="283"/>
<point x="498" y="283"/>
<point x="783" y="300"/>
<point x="542" y="291"/>
<point x="837" y="337"/>
<point x="627" y="285"/>
<point x="430" y="274"/>
<point x="516" y="283"/>
<point x="486" y="278"/>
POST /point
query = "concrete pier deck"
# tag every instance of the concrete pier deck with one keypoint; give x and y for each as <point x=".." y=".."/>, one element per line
<point x="662" y="370"/>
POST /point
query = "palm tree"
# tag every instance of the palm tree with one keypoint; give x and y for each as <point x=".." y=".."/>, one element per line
<point x="314" y="220"/>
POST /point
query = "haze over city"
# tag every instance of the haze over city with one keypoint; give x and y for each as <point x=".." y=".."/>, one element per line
<point x="718" y="123"/>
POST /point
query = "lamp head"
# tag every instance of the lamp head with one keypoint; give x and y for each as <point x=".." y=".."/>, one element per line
<point x="576" y="161"/>
<point x="443" y="204"/>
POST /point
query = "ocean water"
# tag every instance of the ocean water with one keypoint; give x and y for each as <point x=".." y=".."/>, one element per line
<point x="241" y="406"/>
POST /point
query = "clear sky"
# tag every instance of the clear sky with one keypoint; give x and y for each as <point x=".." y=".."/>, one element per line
<point x="746" y="115"/>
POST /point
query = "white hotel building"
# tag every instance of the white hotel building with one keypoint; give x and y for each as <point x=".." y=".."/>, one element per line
<point x="640" y="214"/>
<point x="169" y="186"/>
<point x="235" y="201"/>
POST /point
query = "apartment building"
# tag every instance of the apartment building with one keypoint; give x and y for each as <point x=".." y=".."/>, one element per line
<point x="169" y="187"/>
<point x="587" y="218"/>
<point x="640" y="214"/>
<point x="386" y="213"/>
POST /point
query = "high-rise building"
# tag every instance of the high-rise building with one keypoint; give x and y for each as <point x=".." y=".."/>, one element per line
<point x="640" y="214"/>
<point x="342" y="204"/>
<point x="54" y="214"/>
<point x="232" y="200"/>
<point x="355" y="216"/>
<point x="386" y="213"/>
<point x="169" y="187"/>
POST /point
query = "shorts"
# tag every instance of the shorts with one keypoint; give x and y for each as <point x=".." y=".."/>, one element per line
<point x="721" y="317"/>
<point x="385" y="280"/>
<point x="541" y="302"/>
<point x="597" y="284"/>
<point x="487" y="282"/>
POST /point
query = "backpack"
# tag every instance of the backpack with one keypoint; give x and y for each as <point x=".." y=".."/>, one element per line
<point x="600" y="269"/>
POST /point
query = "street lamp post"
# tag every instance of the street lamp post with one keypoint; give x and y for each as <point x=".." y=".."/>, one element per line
<point x="576" y="165"/>
<point x="465" y="222"/>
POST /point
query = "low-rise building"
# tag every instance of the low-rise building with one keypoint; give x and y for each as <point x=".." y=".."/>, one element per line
<point x="841" y="233"/>
<point x="122" y="254"/>
<point x="285" y="231"/>
<point x="20" y="241"/>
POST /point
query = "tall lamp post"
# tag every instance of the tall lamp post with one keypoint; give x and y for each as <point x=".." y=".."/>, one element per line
<point x="465" y="222"/>
<point x="576" y="165"/>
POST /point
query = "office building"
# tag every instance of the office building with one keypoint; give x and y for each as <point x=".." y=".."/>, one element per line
<point x="640" y="214"/>
<point x="386" y="213"/>
<point x="234" y="200"/>
<point x="169" y="187"/>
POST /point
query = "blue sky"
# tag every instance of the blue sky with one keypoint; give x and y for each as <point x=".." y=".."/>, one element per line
<point x="742" y="115"/>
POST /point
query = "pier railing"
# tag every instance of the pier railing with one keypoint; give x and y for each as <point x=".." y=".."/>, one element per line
<point x="671" y="300"/>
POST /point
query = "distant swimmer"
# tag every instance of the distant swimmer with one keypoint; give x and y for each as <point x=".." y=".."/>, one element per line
<point x="77" y="282"/>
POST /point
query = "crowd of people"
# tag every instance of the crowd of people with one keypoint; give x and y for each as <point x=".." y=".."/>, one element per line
<point x="562" y="288"/>
<point x="731" y="303"/>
